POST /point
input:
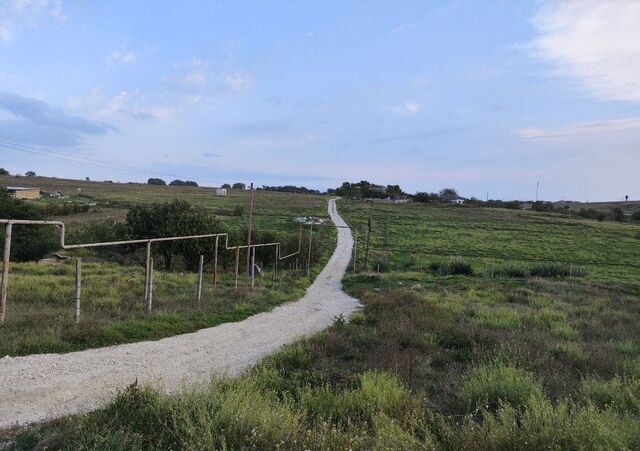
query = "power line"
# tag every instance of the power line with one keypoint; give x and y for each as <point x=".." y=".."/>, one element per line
<point x="50" y="153"/>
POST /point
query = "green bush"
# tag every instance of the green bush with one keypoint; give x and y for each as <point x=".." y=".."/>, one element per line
<point x="619" y="393"/>
<point x="456" y="266"/>
<point x="556" y="269"/>
<point x="511" y="270"/>
<point x="635" y="216"/>
<point x="494" y="383"/>
<point x="28" y="242"/>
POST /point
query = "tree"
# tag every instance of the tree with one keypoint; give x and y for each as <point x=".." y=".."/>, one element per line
<point x="426" y="197"/>
<point x="617" y="214"/>
<point x="226" y="186"/>
<point x="3" y="171"/>
<point x="394" y="190"/>
<point x="239" y="186"/>
<point x="177" y="218"/>
<point x="183" y="183"/>
<point x="155" y="181"/>
<point x="28" y="242"/>
<point x="448" y="192"/>
<point x="87" y="179"/>
<point x="30" y="174"/>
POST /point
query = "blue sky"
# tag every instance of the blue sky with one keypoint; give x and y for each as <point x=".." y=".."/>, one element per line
<point x="484" y="96"/>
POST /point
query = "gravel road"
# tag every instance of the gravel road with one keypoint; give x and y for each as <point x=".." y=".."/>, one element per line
<point x="41" y="387"/>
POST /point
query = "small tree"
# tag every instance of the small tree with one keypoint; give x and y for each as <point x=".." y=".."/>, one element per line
<point x="617" y="214"/>
<point x="226" y="186"/>
<point x="28" y="242"/>
<point x="156" y="181"/>
<point x="239" y="185"/>
<point x="30" y="174"/>
<point x="3" y="171"/>
<point x="448" y="192"/>
<point x="177" y="218"/>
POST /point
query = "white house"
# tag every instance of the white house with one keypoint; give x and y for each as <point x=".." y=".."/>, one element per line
<point x="221" y="191"/>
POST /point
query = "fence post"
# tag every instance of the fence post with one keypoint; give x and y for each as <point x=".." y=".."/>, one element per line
<point x="492" y="267"/>
<point x="253" y="266"/>
<point x="5" y="269"/>
<point x="150" y="294"/>
<point x="200" y="269"/>
<point x="215" y="264"/>
<point x="309" y="253"/>
<point x="78" y="288"/>
<point x="237" y="263"/>
<point x="146" y="274"/>
<point x="355" y="252"/>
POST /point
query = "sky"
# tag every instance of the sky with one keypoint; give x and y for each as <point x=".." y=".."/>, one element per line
<point x="489" y="97"/>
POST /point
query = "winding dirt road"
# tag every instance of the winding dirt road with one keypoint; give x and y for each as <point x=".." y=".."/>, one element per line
<point x="46" y="386"/>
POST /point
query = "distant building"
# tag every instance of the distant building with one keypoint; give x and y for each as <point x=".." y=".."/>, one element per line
<point x="221" y="191"/>
<point x="454" y="199"/>
<point x="24" y="193"/>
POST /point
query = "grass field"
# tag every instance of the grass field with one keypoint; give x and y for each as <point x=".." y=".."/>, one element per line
<point x="41" y="298"/>
<point x="446" y="354"/>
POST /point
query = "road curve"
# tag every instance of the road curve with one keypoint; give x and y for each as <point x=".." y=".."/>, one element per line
<point x="46" y="386"/>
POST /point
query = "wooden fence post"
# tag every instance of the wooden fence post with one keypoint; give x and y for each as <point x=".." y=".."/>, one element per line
<point x="237" y="263"/>
<point x="146" y="274"/>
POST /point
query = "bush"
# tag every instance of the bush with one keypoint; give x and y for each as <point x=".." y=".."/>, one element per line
<point x="495" y="382"/>
<point x="456" y="266"/>
<point x="635" y="216"/>
<point x="3" y="171"/>
<point x="556" y="269"/>
<point x="238" y="210"/>
<point x="28" y="242"/>
<point x="591" y="213"/>
<point x="513" y="205"/>
<point x="64" y="209"/>
<point x="511" y="270"/>
<point x="617" y="214"/>
<point x="154" y="181"/>
<point x="620" y="393"/>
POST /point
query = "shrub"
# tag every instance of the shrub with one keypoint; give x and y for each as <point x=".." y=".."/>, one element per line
<point x="238" y="210"/>
<point x="455" y="266"/>
<point x="155" y="181"/>
<point x="511" y="270"/>
<point x="635" y="216"/>
<point x="513" y="205"/>
<point x="620" y="393"/>
<point x="3" y="171"/>
<point x="591" y="213"/>
<point x="556" y="269"/>
<point x="495" y="382"/>
<point x="617" y="214"/>
<point x="28" y="242"/>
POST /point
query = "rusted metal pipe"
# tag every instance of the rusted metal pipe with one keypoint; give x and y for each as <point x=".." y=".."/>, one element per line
<point x="215" y="263"/>
<point x="150" y="296"/>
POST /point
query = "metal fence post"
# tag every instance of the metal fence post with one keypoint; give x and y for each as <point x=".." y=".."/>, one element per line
<point x="146" y="274"/>
<point x="215" y="264"/>
<point x="200" y="269"/>
<point x="78" y="288"/>
<point x="309" y="253"/>
<point x="253" y="266"/>
<point x="150" y="294"/>
<point x="237" y="263"/>
<point x="5" y="270"/>
<point x="355" y="252"/>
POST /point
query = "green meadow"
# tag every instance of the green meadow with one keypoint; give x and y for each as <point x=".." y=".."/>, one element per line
<point x="480" y="329"/>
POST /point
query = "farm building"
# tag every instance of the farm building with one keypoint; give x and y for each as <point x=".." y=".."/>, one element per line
<point x="221" y="191"/>
<point x="24" y="193"/>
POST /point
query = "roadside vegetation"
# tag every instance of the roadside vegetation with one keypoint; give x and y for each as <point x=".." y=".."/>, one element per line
<point x="445" y="354"/>
<point x="40" y="305"/>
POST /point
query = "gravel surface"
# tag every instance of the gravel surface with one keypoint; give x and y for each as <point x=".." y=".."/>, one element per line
<point x="42" y="387"/>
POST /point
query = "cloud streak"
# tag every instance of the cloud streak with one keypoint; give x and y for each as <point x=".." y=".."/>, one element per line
<point x="17" y="14"/>
<point x="594" y="41"/>
<point x="583" y="128"/>
<point x="37" y="122"/>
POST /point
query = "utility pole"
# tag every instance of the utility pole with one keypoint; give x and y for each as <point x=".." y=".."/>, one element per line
<point x="537" y="186"/>
<point x="249" y="267"/>
<point x="366" y="248"/>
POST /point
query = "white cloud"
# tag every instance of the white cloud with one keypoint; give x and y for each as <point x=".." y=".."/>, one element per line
<point x="595" y="41"/>
<point x="237" y="82"/>
<point x="17" y="14"/>
<point x="583" y="128"/>
<point x="122" y="57"/>
<point x="407" y="108"/>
